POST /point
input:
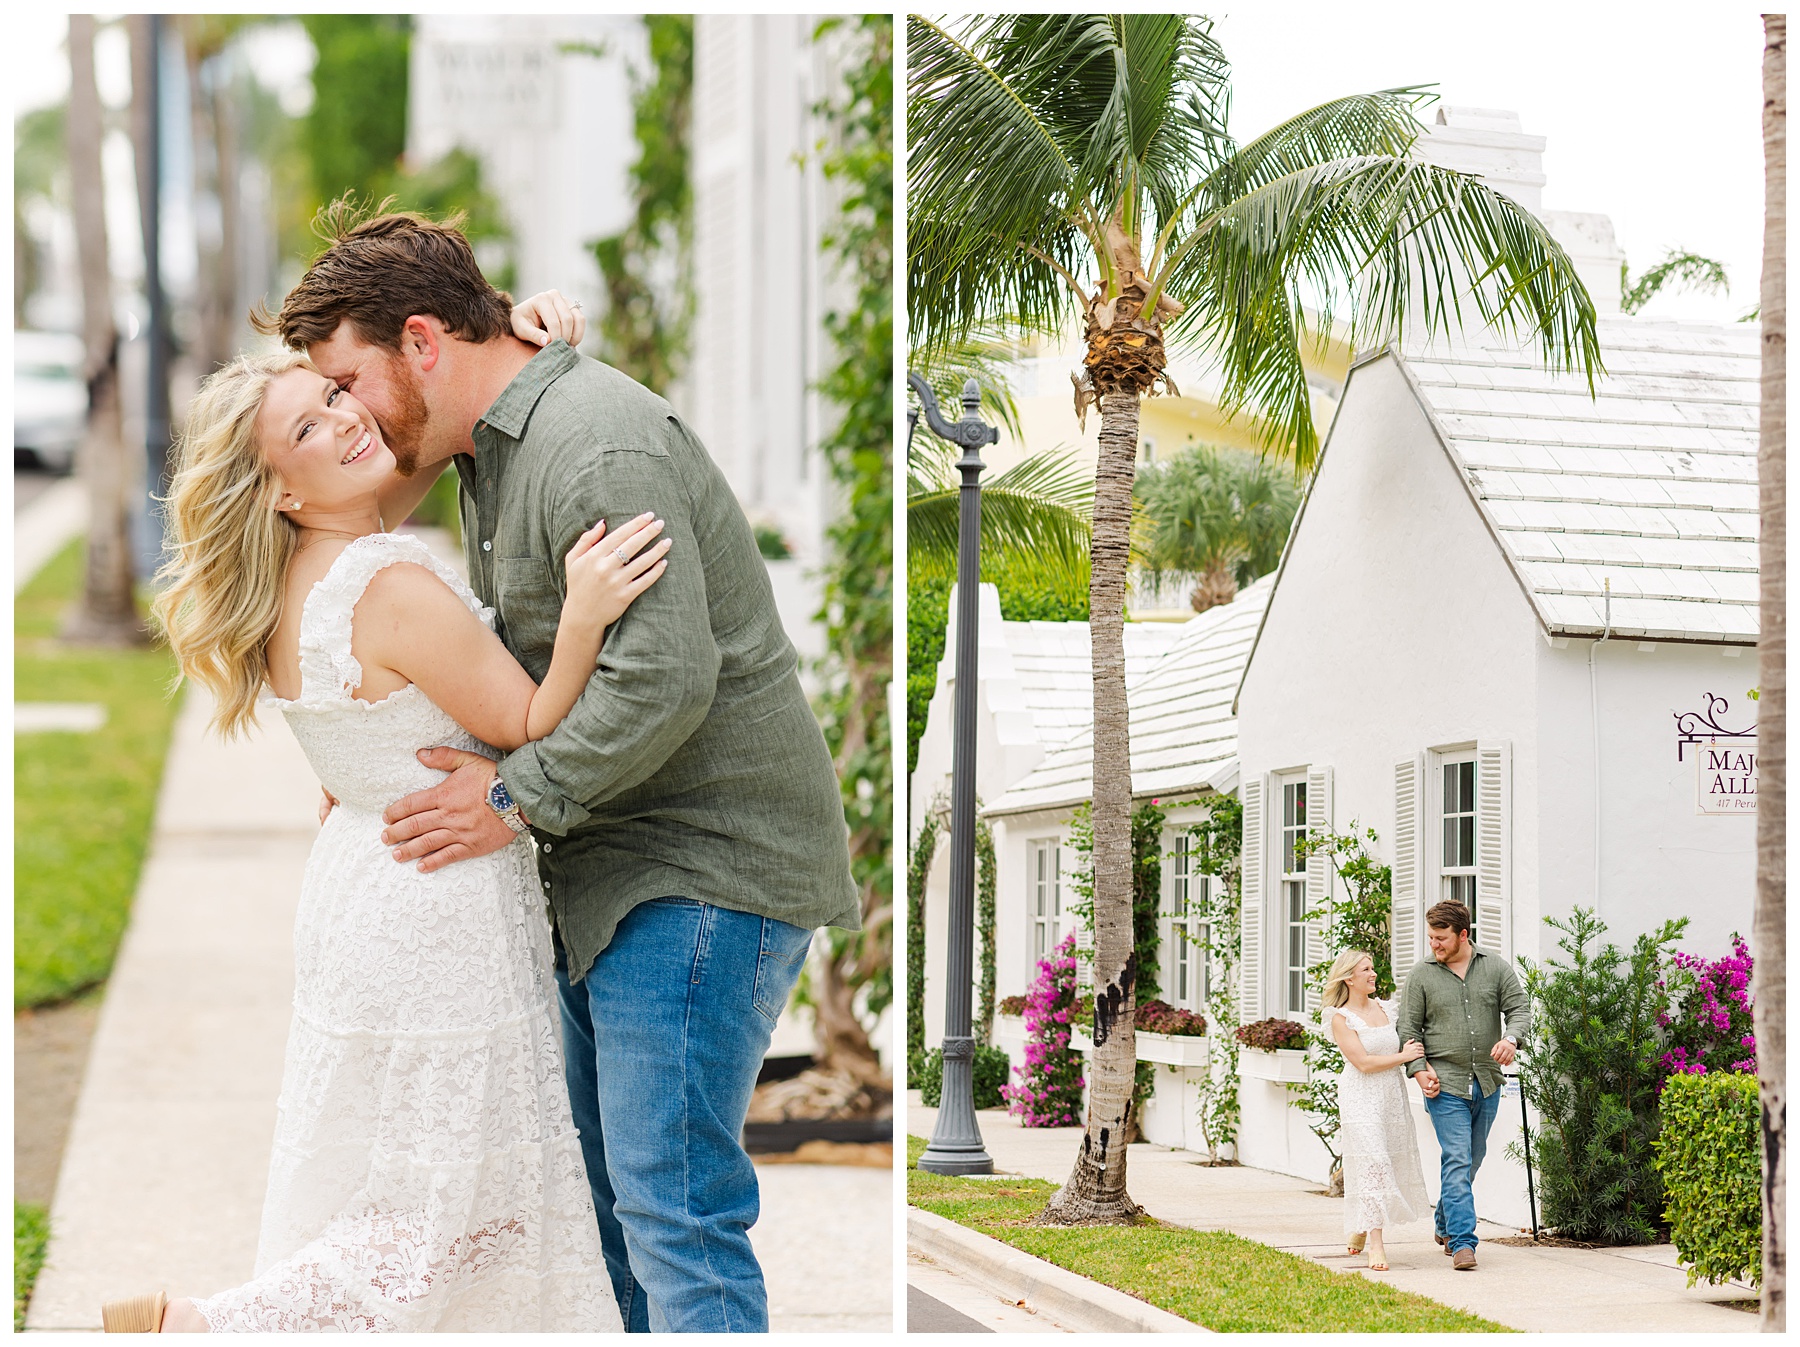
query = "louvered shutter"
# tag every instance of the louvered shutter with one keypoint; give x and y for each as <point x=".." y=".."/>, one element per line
<point x="1493" y="848"/>
<point x="1406" y="919"/>
<point x="1250" y="916"/>
<point x="1318" y="874"/>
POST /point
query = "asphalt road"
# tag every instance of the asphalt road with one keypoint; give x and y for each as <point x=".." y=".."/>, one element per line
<point x="28" y="485"/>
<point x="927" y="1315"/>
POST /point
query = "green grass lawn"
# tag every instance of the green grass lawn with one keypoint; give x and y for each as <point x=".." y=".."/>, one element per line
<point x="1220" y="1280"/>
<point x="82" y="802"/>
<point x="31" y="1234"/>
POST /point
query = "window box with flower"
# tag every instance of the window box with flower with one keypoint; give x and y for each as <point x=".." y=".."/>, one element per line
<point x="1274" y="1049"/>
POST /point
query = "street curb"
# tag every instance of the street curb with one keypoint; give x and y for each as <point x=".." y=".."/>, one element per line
<point x="1071" y="1300"/>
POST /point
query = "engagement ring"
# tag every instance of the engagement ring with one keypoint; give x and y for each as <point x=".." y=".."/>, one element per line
<point x="574" y="303"/>
<point x="619" y="552"/>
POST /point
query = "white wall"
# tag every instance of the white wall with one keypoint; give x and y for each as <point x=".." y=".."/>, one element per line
<point x="1660" y="858"/>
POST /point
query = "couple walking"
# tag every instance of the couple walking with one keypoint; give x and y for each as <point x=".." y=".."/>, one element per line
<point x="515" y="1081"/>
<point x="1449" y="1018"/>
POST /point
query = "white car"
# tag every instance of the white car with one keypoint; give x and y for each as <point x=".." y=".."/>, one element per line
<point x="49" y="398"/>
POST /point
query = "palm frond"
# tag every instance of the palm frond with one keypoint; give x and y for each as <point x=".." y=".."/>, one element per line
<point x="1041" y="506"/>
<point x="987" y="353"/>
<point x="1678" y="269"/>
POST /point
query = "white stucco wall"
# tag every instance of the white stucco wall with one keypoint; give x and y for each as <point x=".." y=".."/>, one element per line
<point x="1660" y="858"/>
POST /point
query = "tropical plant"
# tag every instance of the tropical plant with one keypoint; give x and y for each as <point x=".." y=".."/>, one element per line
<point x="40" y="172"/>
<point x="1678" y="269"/>
<point x="1219" y="517"/>
<point x="1591" y="1069"/>
<point x="1706" y="1154"/>
<point x="1769" y="928"/>
<point x="1050" y="1082"/>
<point x="987" y="1077"/>
<point x="1712" y="1026"/>
<point x="647" y="266"/>
<point x="918" y="871"/>
<point x="1046" y="145"/>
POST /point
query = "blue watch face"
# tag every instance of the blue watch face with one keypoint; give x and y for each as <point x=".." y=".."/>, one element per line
<point x="499" y="797"/>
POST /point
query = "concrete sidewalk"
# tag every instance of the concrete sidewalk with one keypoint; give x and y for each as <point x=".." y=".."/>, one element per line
<point x="162" y="1180"/>
<point x="1628" y="1290"/>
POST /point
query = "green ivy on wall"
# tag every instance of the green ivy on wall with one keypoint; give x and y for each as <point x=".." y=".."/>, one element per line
<point x="918" y="870"/>
<point x="1218" y="844"/>
<point x="984" y="929"/>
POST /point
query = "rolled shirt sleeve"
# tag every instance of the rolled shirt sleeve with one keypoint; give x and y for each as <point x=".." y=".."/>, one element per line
<point x="1411" y="1023"/>
<point x="659" y="664"/>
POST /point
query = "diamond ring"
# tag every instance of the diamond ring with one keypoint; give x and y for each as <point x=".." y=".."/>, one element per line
<point x="619" y="552"/>
<point x="575" y="304"/>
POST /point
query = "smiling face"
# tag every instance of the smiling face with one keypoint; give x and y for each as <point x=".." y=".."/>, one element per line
<point x="1362" y="978"/>
<point x="321" y="441"/>
<point x="1447" y="943"/>
<point x="385" y="384"/>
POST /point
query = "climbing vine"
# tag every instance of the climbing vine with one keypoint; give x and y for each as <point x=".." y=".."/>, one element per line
<point x="918" y="869"/>
<point x="858" y="572"/>
<point x="1218" y="843"/>
<point x="984" y="930"/>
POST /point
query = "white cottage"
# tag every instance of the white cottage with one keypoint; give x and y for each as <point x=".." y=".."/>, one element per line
<point x="1034" y="693"/>
<point x="1183" y="751"/>
<point x="1513" y="631"/>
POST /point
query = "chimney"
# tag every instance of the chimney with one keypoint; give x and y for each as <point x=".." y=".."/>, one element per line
<point x="1489" y="143"/>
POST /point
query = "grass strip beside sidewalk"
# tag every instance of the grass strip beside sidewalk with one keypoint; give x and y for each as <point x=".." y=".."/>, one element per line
<point x="31" y="1237"/>
<point x="83" y="802"/>
<point x="1213" y="1278"/>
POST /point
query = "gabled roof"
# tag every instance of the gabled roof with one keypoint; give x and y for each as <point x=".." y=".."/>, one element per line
<point x="1651" y="483"/>
<point x="1183" y="734"/>
<point x="1054" y="668"/>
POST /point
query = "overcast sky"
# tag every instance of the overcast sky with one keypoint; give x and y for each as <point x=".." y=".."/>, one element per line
<point x="1653" y="115"/>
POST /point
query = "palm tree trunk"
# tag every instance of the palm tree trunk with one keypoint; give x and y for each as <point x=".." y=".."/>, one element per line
<point x="1095" y="1191"/>
<point x="106" y="612"/>
<point x="1770" y="922"/>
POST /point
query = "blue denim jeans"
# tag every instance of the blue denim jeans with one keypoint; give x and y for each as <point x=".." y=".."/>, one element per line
<point x="662" y="1042"/>
<point x="1462" y="1127"/>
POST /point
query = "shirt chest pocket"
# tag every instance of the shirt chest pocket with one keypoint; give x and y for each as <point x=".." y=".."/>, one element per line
<point x="529" y="604"/>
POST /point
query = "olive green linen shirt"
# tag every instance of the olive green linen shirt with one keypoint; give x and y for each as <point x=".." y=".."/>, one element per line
<point x="1458" y="1020"/>
<point x="691" y="766"/>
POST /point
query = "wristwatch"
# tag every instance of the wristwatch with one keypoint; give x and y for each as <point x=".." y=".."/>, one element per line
<point x="1510" y="1039"/>
<point x="500" y="800"/>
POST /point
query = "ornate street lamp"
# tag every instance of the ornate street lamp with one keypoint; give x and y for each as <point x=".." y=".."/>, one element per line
<point x="956" y="1146"/>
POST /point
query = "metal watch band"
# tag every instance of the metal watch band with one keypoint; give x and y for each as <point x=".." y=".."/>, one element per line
<point x="500" y="800"/>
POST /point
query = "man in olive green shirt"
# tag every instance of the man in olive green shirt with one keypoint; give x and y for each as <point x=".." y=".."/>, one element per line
<point x="690" y="828"/>
<point x="1453" y="1004"/>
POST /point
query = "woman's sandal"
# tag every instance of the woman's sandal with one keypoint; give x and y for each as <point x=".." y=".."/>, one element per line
<point x="1358" y="1240"/>
<point x="1377" y="1267"/>
<point x="140" y="1314"/>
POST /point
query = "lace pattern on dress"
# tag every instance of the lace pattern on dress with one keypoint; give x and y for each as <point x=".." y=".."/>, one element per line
<point x="1383" y="1184"/>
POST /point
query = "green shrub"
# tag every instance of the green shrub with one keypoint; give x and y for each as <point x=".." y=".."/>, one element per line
<point x="1591" y="1070"/>
<point x="1708" y="1157"/>
<point x="992" y="1067"/>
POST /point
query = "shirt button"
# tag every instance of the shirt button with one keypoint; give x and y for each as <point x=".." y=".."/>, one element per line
<point x="487" y="547"/>
<point x="546" y="846"/>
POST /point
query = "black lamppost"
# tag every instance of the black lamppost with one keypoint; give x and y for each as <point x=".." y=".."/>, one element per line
<point x="956" y="1146"/>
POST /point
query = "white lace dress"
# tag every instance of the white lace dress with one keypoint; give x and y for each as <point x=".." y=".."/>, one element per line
<point x="426" y="1174"/>
<point x="1383" y="1185"/>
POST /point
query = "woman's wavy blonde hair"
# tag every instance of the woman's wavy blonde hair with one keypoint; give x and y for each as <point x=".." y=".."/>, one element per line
<point x="221" y="593"/>
<point x="1337" y="981"/>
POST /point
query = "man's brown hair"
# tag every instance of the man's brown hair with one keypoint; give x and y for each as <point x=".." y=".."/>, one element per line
<point x="380" y="267"/>
<point x="1448" y="915"/>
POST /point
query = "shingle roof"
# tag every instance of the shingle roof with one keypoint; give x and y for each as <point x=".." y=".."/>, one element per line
<point x="1053" y="666"/>
<point x="1651" y="484"/>
<point x="1183" y="735"/>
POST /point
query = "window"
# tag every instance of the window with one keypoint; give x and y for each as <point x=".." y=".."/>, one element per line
<point x="1189" y="971"/>
<point x="1293" y="889"/>
<point x="1044" y="868"/>
<point x="1456" y="847"/>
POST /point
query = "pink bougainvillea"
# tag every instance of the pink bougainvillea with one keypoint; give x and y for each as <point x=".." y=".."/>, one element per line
<point x="1712" y="1028"/>
<point x="1048" y="1093"/>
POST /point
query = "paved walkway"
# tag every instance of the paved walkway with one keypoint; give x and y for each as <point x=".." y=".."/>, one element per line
<point x="1533" y="1289"/>
<point x="167" y="1159"/>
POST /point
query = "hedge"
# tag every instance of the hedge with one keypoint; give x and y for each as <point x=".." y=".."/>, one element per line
<point x="1708" y="1155"/>
<point x="992" y="1067"/>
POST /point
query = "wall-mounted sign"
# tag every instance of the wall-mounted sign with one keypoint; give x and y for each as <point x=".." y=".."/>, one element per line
<point x="1725" y="776"/>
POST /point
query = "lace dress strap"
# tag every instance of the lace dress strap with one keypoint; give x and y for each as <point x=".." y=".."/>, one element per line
<point x="328" y="671"/>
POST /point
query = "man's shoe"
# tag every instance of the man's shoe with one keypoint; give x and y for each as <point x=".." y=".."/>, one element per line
<point x="1444" y="1241"/>
<point x="1464" y="1260"/>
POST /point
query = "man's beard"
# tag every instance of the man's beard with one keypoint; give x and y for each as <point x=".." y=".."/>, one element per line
<point x="404" y="427"/>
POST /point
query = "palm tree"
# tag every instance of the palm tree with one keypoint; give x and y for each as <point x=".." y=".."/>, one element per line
<point x="1678" y="268"/>
<point x="107" y="612"/>
<point x="1047" y="146"/>
<point x="1219" y="516"/>
<point x="1770" y="923"/>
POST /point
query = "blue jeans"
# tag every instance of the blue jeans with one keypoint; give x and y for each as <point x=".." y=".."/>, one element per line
<point x="662" y="1042"/>
<point x="1462" y="1127"/>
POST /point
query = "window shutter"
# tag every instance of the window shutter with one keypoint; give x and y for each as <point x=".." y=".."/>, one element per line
<point x="1318" y="874"/>
<point x="1493" y="848"/>
<point x="1406" y="919"/>
<point x="1250" y="923"/>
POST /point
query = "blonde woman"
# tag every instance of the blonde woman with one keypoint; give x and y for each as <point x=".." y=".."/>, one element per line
<point x="426" y="1174"/>
<point x="1383" y="1185"/>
